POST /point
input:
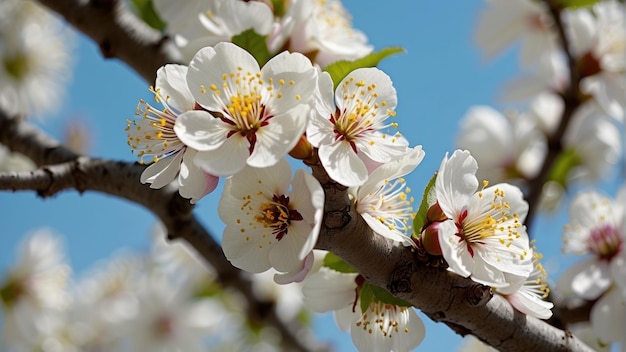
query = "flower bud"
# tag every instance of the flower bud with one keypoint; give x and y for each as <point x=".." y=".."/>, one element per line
<point x="430" y="239"/>
<point x="303" y="149"/>
<point x="435" y="214"/>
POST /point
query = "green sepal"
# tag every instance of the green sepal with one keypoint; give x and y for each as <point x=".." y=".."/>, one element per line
<point x="255" y="44"/>
<point x="145" y="11"/>
<point x="334" y="262"/>
<point x="340" y="69"/>
<point x="563" y="165"/>
<point x="575" y="4"/>
<point x="279" y="8"/>
<point x="371" y="293"/>
<point x="428" y="199"/>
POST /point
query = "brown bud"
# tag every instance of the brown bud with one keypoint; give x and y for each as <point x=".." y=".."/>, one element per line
<point x="435" y="214"/>
<point x="303" y="149"/>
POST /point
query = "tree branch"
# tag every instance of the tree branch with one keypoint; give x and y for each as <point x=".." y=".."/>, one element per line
<point x="465" y="306"/>
<point x="121" y="179"/>
<point x="119" y="34"/>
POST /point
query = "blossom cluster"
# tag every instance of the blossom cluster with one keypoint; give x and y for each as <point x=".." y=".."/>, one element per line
<point x="34" y="59"/>
<point x="513" y="146"/>
<point x="164" y="299"/>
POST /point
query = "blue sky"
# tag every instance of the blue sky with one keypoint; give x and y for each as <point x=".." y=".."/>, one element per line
<point x="438" y="78"/>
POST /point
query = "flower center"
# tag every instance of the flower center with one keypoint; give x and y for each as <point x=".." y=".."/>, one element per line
<point x="163" y="326"/>
<point x="153" y="134"/>
<point x="386" y="318"/>
<point x="17" y="67"/>
<point x="12" y="292"/>
<point x="360" y="113"/>
<point x="389" y="204"/>
<point x="495" y="219"/>
<point x="605" y="241"/>
<point x="243" y="104"/>
<point x="277" y="215"/>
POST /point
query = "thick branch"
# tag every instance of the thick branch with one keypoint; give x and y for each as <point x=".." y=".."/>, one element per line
<point x="571" y="100"/>
<point x="119" y="33"/>
<point x="458" y="302"/>
<point x="121" y="179"/>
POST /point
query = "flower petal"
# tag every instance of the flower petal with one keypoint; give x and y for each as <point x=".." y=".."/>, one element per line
<point x="194" y="182"/>
<point x="163" y="172"/>
<point x="342" y="164"/>
<point x="456" y="182"/>
<point x="226" y="160"/>
<point x="200" y="131"/>
<point x="172" y="85"/>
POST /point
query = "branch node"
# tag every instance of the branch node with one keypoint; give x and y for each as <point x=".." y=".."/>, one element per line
<point x="477" y="295"/>
<point x="337" y="219"/>
<point x="401" y="278"/>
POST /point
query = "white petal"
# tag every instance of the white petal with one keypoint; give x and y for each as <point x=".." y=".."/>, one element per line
<point x="172" y="83"/>
<point x="329" y="290"/>
<point x="531" y="304"/>
<point x="370" y="75"/>
<point x="342" y="164"/>
<point x="194" y="183"/>
<point x="209" y="65"/>
<point x="163" y="172"/>
<point x="456" y="182"/>
<point x="608" y="317"/>
<point x="298" y="274"/>
<point x="226" y="160"/>
<point x="276" y="139"/>
<point x="200" y="131"/>
<point x="307" y="196"/>
<point x="592" y="280"/>
<point x="454" y="252"/>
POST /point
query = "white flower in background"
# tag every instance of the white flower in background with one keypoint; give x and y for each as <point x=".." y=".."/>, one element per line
<point x="507" y="147"/>
<point x="196" y="24"/>
<point x="382" y="327"/>
<point x="321" y="29"/>
<point x="35" y="287"/>
<point x="106" y="299"/>
<point x="546" y="110"/>
<point x="504" y="22"/>
<point x="253" y="116"/>
<point x="171" y="319"/>
<point x="598" y="40"/>
<point x="585" y="332"/>
<point x="34" y="59"/>
<point x="528" y="294"/>
<point x="13" y="161"/>
<point x="153" y="136"/>
<point x="180" y="263"/>
<point x="349" y="125"/>
<point x="597" y="228"/>
<point x="483" y="236"/>
<point x="551" y="73"/>
<point x="596" y="141"/>
<point x="472" y="344"/>
<point x="268" y="225"/>
<point x="383" y="201"/>
<point x="287" y="298"/>
<point x="608" y="316"/>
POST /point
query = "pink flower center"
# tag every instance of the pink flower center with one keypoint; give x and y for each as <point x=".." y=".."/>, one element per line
<point x="605" y="242"/>
<point x="277" y="214"/>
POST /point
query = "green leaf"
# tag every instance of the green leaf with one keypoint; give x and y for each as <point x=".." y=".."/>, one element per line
<point x="564" y="163"/>
<point x="145" y="11"/>
<point x="340" y="69"/>
<point x="371" y="293"/>
<point x="428" y="199"/>
<point x="574" y="4"/>
<point x="255" y="44"/>
<point x="333" y="261"/>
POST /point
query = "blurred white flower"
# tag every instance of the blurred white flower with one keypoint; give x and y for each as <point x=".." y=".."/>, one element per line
<point x="35" y="287"/>
<point x="597" y="228"/>
<point x="323" y="30"/>
<point x="13" y="161"/>
<point x="506" y="147"/>
<point x="267" y="224"/>
<point x="349" y="125"/>
<point x="35" y="59"/>
<point x="595" y="140"/>
<point x="598" y="40"/>
<point x="287" y="297"/>
<point x="195" y="24"/>
<point x="608" y="316"/>
<point x="483" y="235"/>
<point x="169" y="319"/>
<point x="383" y="200"/>
<point x="250" y="115"/>
<point x="152" y="135"/>
<point x="504" y="22"/>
